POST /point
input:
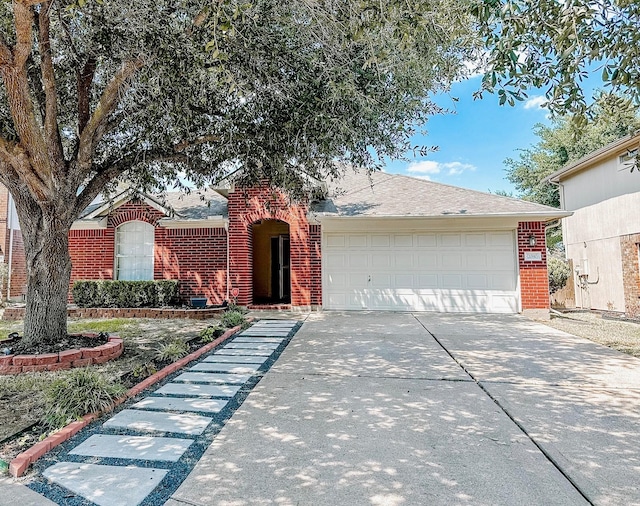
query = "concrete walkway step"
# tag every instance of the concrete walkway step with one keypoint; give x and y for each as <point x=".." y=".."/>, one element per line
<point x="160" y="429"/>
<point x="191" y="404"/>
<point x="213" y="378"/>
<point x="149" y="421"/>
<point x="106" y="485"/>
<point x="193" y="390"/>
<point x="168" y="449"/>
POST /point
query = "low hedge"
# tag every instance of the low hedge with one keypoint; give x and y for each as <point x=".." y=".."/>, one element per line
<point x="125" y="293"/>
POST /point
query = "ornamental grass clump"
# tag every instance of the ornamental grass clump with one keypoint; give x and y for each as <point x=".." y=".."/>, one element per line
<point x="232" y="319"/>
<point x="80" y="392"/>
<point x="171" y="352"/>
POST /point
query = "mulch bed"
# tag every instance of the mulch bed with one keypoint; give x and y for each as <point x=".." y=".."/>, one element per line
<point x="72" y="341"/>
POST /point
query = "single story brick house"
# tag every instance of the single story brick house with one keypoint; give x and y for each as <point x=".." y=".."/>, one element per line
<point x="379" y="242"/>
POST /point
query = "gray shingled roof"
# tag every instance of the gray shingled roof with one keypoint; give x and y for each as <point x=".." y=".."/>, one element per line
<point x="380" y="194"/>
<point x="198" y="205"/>
<point x="389" y="195"/>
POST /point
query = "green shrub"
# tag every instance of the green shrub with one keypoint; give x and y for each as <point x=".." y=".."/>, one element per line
<point x="559" y="272"/>
<point x="232" y="318"/>
<point x="172" y="351"/>
<point x="211" y="333"/>
<point x="78" y="393"/>
<point x="125" y="293"/>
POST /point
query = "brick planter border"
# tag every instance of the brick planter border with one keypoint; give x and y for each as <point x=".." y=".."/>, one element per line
<point x="19" y="465"/>
<point x="17" y="364"/>
<point x="17" y="313"/>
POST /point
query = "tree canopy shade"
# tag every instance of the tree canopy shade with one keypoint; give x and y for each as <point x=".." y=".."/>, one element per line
<point x="553" y="45"/>
<point x="154" y="92"/>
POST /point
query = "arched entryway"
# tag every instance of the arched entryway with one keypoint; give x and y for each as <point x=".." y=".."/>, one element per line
<point x="271" y="262"/>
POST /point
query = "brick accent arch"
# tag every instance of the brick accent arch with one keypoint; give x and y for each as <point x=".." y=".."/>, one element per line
<point x="135" y="210"/>
<point x="249" y="205"/>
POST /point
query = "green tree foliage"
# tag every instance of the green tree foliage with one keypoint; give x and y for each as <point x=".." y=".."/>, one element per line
<point x="554" y="45"/>
<point x="563" y="142"/>
<point x="156" y="92"/>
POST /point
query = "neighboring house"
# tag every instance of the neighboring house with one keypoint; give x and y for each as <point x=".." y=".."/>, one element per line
<point x="602" y="237"/>
<point x="387" y="242"/>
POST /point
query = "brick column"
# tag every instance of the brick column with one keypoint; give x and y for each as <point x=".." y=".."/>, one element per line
<point x="534" y="280"/>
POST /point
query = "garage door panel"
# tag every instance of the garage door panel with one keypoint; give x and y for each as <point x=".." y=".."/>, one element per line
<point x="357" y="241"/>
<point x="403" y="241"/>
<point x="428" y="260"/>
<point x="451" y="272"/>
<point x="381" y="260"/>
<point x="500" y="239"/>
<point x="380" y="241"/>
<point x="475" y="240"/>
<point x="335" y="261"/>
<point x="428" y="280"/>
<point x="403" y="260"/>
<point x="335" y="241"/>
<point x="477" y="281"/>
<point x="426" y="240"/>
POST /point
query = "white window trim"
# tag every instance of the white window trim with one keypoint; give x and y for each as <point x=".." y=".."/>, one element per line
<point x="116" y="267"/>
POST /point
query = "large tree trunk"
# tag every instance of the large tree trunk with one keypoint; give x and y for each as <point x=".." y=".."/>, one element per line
<point x="46" y="244"/>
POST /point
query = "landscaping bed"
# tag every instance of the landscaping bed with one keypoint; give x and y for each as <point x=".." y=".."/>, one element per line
<point x="149" y="345"/>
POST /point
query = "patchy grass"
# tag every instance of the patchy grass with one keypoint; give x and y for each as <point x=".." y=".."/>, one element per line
<point x="115" y="326"/>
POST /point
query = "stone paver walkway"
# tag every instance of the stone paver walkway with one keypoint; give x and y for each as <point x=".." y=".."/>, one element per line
<point x="141" y="454"/>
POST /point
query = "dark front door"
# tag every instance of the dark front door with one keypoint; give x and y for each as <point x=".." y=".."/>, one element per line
<point x="280" y="268"/>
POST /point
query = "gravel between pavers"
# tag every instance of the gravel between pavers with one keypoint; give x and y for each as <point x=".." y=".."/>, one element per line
<point x="179" y="469"/>
<point x="619" y="335"/>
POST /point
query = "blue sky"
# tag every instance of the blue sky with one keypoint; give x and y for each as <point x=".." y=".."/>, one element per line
<point x="474" y="142"/>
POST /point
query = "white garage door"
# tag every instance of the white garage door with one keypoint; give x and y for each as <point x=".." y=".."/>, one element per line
<point x="452" y="272"/>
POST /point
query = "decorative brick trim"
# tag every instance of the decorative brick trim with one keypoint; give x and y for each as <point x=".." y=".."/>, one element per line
<point x="17" y="313"/>
<point x="17" y="364"/>
<point x="21" y="463"/>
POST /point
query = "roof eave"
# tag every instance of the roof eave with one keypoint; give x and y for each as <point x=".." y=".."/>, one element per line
<point x="533" y="216"/>
<point x="593" y="158"/>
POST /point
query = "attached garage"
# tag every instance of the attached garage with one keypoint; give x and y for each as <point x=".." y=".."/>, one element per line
<point x="466" y="271"/>
<point x="398" y="243"/>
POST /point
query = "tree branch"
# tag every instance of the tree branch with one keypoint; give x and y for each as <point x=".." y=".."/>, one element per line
<point x="112" y="169"/>
<point x="23" y="19"/>
<point x="94" y="128"/>
<point x="51" y="131"/>
<point x="84" y="80"/>
<point x="204" y="139"/>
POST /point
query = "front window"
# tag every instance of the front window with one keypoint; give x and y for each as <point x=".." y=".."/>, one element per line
<point x="134" y="251"/>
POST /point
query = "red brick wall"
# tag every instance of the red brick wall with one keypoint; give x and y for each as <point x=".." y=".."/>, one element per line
<point x="534" y="280"/>
<point x="18" y="266"/>
<point x="248" y="205"/>
<point x="92" y="253"/>
<point x="631" y="274"/>
<point x="195" y="256"/>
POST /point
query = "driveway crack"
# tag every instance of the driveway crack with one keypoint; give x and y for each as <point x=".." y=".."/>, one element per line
<point x="546" y="454"/>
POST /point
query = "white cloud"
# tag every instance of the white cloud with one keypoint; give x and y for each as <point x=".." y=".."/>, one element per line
<point x="425" y="168"/>
<point x="535" y="102"/>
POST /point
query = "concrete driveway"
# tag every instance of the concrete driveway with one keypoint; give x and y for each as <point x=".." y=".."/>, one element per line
<point x="426" y="409"/>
